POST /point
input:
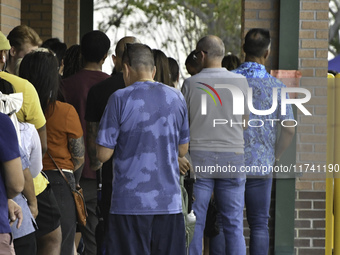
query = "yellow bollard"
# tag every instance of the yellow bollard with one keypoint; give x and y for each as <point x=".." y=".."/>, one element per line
<point x="336" y="162"/>
<point x="330" y="160"/>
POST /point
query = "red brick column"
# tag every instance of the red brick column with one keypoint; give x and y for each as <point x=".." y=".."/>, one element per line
<point x="58" y="19"/>
<point x="72" y="24"/>
<point x="311" y="139"/>
<point x="9" y="15"/>
<point x="46" y="17"/>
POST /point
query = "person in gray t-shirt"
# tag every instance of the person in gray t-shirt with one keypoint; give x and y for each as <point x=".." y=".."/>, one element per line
<point x="218" y="113"/>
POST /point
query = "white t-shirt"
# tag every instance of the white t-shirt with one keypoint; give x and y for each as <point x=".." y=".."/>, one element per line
<point x="30" y="143"/>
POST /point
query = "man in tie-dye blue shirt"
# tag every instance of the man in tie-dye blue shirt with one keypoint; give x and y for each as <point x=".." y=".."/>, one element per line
<point x="146" y="126"/>
<point x="261" y="146"/>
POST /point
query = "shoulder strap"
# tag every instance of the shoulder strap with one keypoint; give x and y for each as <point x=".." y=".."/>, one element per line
<point x="59" y="169"/>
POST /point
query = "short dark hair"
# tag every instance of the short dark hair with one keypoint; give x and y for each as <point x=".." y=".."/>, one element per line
<point x="191" y="62"/>
<point x="94" y="46"/>
<point x="58" y="47"/>
<point x="139" y="56"/>
<point x="41" y="69"/>
<point x="174" y="69"/>
<point x="231" y="62"/>
<point x="256" y="42"/>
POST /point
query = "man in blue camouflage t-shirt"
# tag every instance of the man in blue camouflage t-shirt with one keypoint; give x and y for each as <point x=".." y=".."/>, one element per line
<point x="146" y="126"/>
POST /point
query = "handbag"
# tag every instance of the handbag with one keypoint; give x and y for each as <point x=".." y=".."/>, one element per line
<point x="78" y="198"/>
<point x="80" y="205"/>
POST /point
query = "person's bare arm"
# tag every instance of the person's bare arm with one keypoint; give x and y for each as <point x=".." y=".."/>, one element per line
<point x="14" y="178"/>
<point x="103" y="153"/>
<point x="14" y="213"/>
<point x="29" y="193"/>
<point x="286" y="136"/>
<point x="183" y="149"/>
<point x="43" y="139"/>
<point x="77" y="150"/>
<point x="92" y="130"/>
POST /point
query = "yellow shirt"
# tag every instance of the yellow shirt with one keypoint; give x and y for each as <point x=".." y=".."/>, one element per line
<point x="40" y="184"/>
<point x="30" y="111"/>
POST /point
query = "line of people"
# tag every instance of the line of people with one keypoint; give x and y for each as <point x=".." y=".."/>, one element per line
<point x="124" y="137"/>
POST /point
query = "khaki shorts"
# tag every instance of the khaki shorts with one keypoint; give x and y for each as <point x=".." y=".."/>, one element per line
<point x="6" y="244"/>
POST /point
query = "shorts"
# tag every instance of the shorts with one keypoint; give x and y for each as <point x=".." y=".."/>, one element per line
<point x="6" y="244"/>
<point x="25" y="245"/>
<point x="146" y="234"/>
<point x="48" y="218"/>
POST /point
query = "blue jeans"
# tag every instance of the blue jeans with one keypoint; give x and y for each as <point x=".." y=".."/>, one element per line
<point x="257" y="198"/>
<point x="257" y="214"/>
<point x="217" y="243"/>
<point x="229" y="197"/>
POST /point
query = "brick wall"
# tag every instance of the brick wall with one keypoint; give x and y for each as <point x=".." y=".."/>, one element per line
<point x="58" y="19"/>
<point x="311" y="137"/>
<point x="9" y="15"/>
<point x="38" y="15"/>
<point x="72" y="24"/>
<point x="50" y="18"/>
<point x="46" y="17"/>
